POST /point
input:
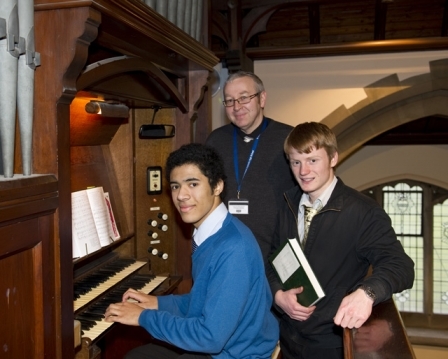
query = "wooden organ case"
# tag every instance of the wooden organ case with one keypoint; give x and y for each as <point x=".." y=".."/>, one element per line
<point x="115" y="51"/>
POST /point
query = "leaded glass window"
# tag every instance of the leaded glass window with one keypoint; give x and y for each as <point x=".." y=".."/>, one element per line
<point x="440" y="252"/>
<point x="419" y="215"/>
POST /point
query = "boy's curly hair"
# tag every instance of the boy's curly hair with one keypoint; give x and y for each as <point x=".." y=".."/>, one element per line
<point x="204" y="157"/>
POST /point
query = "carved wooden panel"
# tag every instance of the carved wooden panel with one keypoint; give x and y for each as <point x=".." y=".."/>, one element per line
<point x="27" y="280"/>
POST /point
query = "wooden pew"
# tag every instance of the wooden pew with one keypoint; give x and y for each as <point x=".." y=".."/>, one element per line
<point x="382" y="336"/>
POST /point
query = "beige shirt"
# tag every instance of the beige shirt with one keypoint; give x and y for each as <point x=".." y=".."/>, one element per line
<point x="318" y="203"/>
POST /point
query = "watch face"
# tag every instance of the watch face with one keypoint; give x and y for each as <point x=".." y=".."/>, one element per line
<point x="369" y="292"/>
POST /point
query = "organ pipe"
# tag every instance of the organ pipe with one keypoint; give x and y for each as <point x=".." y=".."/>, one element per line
<point x="185" y="14"/>
<point x="25" y="84"/>
<point x="9" y="53"/>
<point x="18" y="61"/>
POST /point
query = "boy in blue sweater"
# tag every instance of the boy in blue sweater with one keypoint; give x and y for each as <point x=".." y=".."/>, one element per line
<point x="227" y="313"/>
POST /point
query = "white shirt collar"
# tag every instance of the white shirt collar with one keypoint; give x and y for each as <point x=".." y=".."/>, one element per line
<point x="211" y="224"/>
<point x="321" y="200"/>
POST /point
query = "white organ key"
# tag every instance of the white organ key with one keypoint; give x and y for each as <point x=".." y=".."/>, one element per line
<point x="148" y="288"/>
<point x="97" y="330"/>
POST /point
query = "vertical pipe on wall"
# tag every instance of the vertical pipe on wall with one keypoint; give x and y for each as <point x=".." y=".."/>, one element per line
<point x="25" y="82"/>
<point x="172" y="11"/>
<point x="151" y="3"/>
<point x="162" y="8"/>
<point x="9" y="53"/>
<point x="187" y="16"/>
<point x="2" y="37"/>
<point x="193" y="18"/>
<point x="200" y="10"/>
<point x="180" y="15"/>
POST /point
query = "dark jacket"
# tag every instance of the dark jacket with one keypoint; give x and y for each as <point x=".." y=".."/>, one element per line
<point x="267" y="177"/>
<point x="348" y="235"/>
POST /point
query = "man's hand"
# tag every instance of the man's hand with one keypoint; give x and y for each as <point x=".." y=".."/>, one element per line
<point x="129" y="310"/>
<point x="288" y="302"/>
<point x="354" y="310"/>
<point x="143" y="300"/>
<point x="125" y="313"/>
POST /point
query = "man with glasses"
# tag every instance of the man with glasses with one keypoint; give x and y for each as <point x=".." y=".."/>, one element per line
<point x="252" y="149"/>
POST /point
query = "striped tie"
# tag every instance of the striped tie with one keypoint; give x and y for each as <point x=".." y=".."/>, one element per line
<point x="194" y="246"/>
<point x="309" y="214"/>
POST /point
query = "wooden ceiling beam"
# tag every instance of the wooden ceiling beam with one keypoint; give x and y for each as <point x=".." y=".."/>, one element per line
<point x="221" y="5"/>
<point x="444" y="31"/>
<point x="364" y="47"/>
<point x="332" y="27"/>
<point x="255" y="22"/>
<point x="380" y="20"/>
<point x="314" y="23"/>
<point x="235" y="24"/>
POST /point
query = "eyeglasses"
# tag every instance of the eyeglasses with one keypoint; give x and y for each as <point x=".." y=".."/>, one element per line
<point x="242" y="100"/>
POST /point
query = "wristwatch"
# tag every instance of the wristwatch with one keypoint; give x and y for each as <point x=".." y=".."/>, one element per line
<point x="369" y="291"/>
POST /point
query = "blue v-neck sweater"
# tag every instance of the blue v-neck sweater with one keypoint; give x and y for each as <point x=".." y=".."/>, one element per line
<point x="227" y="313"/>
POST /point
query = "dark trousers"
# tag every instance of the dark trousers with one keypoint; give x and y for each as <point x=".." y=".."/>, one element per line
<point x="297" y="351"/>
<point x="154" y="351"/>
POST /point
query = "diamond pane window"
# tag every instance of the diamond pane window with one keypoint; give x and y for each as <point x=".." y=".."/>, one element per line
<point x="404" y="206"/>
<point x="419" y="215"/>
<point x="440" y="252"/>
<point x="411" y="300"/>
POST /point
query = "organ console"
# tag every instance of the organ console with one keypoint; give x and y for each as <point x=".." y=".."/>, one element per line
<point x="104" y="50"/>
<point x="95" y="289"/>
<point x="99" y="282"/>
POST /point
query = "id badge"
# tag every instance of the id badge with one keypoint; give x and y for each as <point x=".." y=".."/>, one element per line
<point x="238" y="206"/>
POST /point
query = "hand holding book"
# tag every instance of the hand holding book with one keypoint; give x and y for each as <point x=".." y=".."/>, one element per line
<point x="293" y="271"/>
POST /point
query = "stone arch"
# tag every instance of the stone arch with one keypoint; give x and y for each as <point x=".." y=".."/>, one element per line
<point x="390" y="103"/>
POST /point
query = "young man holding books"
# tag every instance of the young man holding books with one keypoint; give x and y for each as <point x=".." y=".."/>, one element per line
<point x="227" y="312"/>
<point x="349" y="233"/>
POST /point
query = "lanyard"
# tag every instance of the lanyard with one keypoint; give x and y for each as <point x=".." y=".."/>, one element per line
<point x="249" y="160"/>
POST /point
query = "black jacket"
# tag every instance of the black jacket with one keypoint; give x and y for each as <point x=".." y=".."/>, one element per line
<point x="348" y="235"/>
<point x="267" y="177"/>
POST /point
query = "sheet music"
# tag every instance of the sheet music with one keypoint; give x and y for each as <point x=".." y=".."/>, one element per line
<point x="85" y="237"/>
<point x="100" y="213"/>
<point x="112" y="225"/>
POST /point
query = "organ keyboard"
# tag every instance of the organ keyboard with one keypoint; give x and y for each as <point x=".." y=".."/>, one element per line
<point x="102" y="280"/>
<point x="104" y="285"/>
<point x="92" y="320"/>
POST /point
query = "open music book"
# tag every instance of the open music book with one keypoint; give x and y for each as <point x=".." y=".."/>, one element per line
<point x="293" y="270"/>
<point x="93" y="221"/>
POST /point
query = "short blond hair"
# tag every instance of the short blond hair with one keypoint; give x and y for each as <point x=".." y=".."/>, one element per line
<point x="311" y="135"/>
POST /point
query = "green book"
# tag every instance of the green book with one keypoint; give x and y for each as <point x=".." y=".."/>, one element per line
<point x="293" y="270"/>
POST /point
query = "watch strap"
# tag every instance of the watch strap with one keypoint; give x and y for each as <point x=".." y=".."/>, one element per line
<point x="369" y="291"/>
